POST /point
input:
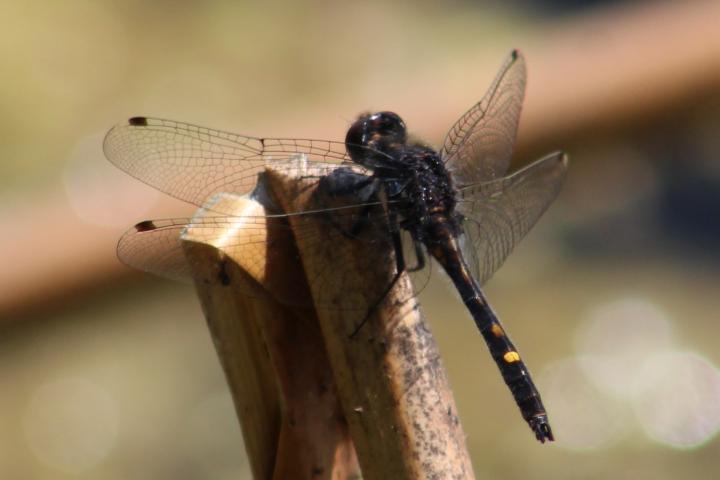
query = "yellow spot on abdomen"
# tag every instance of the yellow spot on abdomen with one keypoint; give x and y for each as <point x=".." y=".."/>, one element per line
<point x="497" y="330"/>
<point x="511" y="357"/>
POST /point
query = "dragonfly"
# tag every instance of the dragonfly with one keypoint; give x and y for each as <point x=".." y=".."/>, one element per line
<point x="458" y="205"/>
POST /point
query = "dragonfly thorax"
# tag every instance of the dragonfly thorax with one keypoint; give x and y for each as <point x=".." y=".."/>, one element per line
<point x="423" y="192"/>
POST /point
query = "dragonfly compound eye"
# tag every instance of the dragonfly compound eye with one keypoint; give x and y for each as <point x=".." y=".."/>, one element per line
<point x="390" y="125"/>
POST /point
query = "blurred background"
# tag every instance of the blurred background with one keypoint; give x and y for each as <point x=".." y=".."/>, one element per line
<point x="106" y="373"/>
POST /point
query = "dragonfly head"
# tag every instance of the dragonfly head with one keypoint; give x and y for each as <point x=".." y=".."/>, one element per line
<point x="381" y="131"/>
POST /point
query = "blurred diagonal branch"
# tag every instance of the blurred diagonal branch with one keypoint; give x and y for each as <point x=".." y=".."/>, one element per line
<point x="601" y="71"/>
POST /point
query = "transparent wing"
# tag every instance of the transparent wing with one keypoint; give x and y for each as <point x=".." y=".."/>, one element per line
<point x="193" y="163"/>
<point x="479" y="146"/>
<point x="499" y="213"/>
<point x="156" y="246"/>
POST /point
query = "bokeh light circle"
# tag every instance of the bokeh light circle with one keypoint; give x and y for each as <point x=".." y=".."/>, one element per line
<point x="98" y="192"/>
<point x="678" y="399"/>
<point x="582" y="417"/>
<point x="616" y="337"/>
<point x="71" y="424"/>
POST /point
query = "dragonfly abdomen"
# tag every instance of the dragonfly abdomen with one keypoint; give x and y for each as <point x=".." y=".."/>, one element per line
<point x="511" y="366"/>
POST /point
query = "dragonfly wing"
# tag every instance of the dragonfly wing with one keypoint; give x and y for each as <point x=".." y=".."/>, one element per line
<point x="193" y="163"/>
<point x="252" y="242"/>
<point x="479" y="145"/>
<point x="265" y="248"/>
<point x="154" y="246"/>
<point x="497" y="214"/>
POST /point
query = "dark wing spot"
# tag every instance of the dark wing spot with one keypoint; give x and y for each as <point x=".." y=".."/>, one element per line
<point x="145" y="226"/>
<point x="138" y="121"/>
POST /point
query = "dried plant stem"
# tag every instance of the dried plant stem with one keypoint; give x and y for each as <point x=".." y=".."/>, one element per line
<point x="309" y="396"/>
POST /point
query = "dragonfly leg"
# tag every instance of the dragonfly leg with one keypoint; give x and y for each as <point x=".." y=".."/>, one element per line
<point x="419" y="257"/>
<point x="400" y="267"/>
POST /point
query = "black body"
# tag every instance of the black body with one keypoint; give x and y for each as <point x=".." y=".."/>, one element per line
<point x="421" y="200"/>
